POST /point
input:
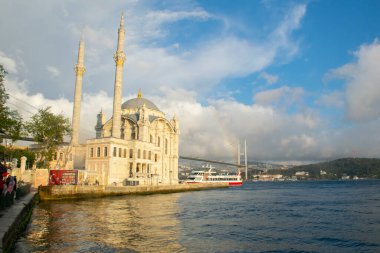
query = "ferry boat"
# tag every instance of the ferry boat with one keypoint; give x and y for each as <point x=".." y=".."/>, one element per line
<point x="210" y="176"/>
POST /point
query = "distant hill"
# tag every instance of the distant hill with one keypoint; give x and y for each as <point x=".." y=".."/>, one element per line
<point x="361" y="167"/>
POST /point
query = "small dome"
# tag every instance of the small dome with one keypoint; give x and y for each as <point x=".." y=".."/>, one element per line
<point x="138" y="103"/>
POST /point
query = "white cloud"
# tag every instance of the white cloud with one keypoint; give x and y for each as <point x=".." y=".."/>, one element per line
<point x="95" y="37"/>
<point x="54" y="71"/>
<point x="150" y="25"/>
<point x="291" y="22"/>
<point x="362" y="77"/>
<point x="163" y="16"/>
<point x="303" y="141"/>
<point x="174" y="78"/>
<point x="284" y="94"/>
<point x="8" y="63"/>
<point x="332" y="99"/>
<point x="151" y="60"/>
<point x="213" y="130"/>
<point x="204" y="67"/>
<point x="270" y="79"/>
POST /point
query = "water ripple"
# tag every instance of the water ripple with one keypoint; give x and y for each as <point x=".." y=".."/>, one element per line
<point x="330" y="216"/>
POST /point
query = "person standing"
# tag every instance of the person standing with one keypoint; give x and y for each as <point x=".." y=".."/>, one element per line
<point x="15" y="186"/>
<point x="1" y="184"/>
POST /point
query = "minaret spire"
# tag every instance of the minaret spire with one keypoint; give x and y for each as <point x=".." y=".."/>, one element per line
<point x="139" y="94"/>
<point x="79" y="71"/>
<point x="122" y="19"/>
<point x="119" y="58"/>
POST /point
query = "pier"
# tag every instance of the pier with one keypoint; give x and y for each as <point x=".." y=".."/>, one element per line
<point x="60" y="192"/>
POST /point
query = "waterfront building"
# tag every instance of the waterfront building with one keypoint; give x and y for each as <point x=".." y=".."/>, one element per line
<point x="268" y="177"/>
<point x="302" y="173"/>
<point x="136" y="144"/>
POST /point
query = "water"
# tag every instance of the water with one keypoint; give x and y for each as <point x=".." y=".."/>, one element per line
<point x="319" y="216"/>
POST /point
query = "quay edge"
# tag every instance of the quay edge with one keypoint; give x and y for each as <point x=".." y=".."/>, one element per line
<point x="15" y="219"/>
<point x="60" y="192"/>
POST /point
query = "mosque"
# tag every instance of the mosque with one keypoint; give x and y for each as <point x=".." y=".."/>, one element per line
<point x="137" y="145"/>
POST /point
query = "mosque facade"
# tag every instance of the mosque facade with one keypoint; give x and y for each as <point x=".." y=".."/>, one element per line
<point x="136" y="145"/>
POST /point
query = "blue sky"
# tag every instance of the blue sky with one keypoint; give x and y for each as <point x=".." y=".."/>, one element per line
<point x="298" y="79"/>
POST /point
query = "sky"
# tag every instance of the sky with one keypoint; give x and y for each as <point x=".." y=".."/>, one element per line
<point x="298" y="80"/>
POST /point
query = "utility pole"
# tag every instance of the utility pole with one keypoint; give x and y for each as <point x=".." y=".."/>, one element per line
<point x="246" y="162"/>
<point x="238" y="153"/>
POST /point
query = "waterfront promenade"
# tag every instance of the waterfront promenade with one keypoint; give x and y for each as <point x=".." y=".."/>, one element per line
<point x="58" y="192"/>
<point x="14" y="219"/>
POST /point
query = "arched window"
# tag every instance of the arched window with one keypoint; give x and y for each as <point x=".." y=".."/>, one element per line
<point x="131" y="153"/>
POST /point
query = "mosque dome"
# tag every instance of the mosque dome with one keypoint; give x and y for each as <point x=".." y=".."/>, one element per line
<point x="138" y="103"/>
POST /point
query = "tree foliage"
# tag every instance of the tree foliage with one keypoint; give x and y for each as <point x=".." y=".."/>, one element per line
<point x="49" y="131"/>
<point x="18" y="153"/>
<point x="10" y="120"/>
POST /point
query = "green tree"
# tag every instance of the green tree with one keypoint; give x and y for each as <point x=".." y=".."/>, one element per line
<point x="10" y="120"/>
<point x="49" y="131"/>
<point x="18" y="153"/>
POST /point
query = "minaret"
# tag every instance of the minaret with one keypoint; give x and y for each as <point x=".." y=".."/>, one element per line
<point x="99" y="124"/>
<point x="119" y="58"/>
<point x="79" y="71"/>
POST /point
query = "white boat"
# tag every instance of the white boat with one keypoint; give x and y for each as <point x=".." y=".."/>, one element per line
<point x="210" y="176"/>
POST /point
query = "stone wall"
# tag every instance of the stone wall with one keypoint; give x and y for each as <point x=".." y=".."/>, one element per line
<point x="57" y="192"/>
<point x="14" y="220"/>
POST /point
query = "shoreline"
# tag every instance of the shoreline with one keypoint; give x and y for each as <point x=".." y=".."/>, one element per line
<point x="60" y="192"/>
<point x="15" y="218"/>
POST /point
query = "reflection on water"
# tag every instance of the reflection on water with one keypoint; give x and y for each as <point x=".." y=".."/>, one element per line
<point x="330" y="216"/>
<point x="119" y="224"/>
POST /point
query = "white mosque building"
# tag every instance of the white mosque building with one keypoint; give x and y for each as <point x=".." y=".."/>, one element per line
<point x="137" y="143"/>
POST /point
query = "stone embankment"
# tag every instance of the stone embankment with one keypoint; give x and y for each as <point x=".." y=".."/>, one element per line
<point x="58" y="192"/>
<point x="14" y="219"/>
